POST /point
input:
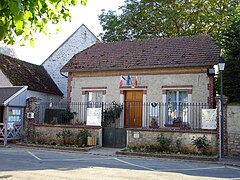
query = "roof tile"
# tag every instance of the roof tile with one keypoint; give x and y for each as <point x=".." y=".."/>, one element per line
<point x="21" y="73"/>
<point x="197" y="50"/>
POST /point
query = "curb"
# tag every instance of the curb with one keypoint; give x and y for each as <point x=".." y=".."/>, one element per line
<point x="170" y="156"/>
<point x="61" y="148"/>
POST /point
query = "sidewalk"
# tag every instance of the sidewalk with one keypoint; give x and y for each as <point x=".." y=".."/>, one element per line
<point x="228" y="161"/>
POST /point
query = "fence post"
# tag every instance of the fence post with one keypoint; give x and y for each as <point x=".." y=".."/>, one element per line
<point x="31" y="106"/>
<point x="225" y="133"/>
<point x="128" y="114"/>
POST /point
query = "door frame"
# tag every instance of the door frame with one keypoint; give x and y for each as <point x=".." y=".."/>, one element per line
<point x="133" y="108"/>
<point x="122" y="97"/>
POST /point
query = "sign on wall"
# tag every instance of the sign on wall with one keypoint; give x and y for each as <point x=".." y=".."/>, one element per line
<point x="209" y="119"/>
<point x="94" y="116"/>
<point x="15" y="114"/>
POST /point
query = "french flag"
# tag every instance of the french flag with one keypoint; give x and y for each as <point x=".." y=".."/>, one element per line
<point x="121" y="81"/>
<point x="129" y="80"/>
<point x="136" y="81"/>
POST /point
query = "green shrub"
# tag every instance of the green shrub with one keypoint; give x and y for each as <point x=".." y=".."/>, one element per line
<point x="112" y="113"/>
<point x="131" y="148"/>
<point x="65" y="136"/>
<point x="67" y="116"/>
<point x="201" y="143"/>
<point x="163" y="143"/>
<point x="81" y="138"/>
<point x="178" y="145"/>
<point x="32" y="136"/>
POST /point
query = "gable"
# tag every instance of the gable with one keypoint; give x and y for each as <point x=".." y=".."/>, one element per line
<point x="13" y="96"/>
<point x="79" y="40"/>
<point x="4" y="80"/>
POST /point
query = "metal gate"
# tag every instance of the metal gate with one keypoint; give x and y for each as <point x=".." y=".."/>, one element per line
<point x="113" y="134"/>
<point x="114" y="137"/>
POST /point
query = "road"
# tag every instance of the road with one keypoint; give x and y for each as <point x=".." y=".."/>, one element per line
<point x="19" y="163"/>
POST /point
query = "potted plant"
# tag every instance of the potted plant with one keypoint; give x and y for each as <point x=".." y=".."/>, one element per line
<point x="185" y="125"/>
<point x="154" y="123"/>
<point x="177" y="122"/>
<point x="111" y="114"/>
<point x="67" y="116"/>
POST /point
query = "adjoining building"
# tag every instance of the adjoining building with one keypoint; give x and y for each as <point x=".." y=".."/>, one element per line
<point x="78" y="41"/>
<point x="15" y="72"/>
<point x="12" y="105"/>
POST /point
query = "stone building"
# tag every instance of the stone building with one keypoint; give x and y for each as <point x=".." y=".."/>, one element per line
<point x="78" y="41"/>
<point x="171" y="71"/>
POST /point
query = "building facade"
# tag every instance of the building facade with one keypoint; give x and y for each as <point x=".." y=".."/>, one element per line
<point x="154" y="79"/>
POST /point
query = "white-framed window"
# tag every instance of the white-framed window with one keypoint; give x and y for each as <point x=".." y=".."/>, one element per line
<point x="94" y="99"/>
<point x="177" y="107"/>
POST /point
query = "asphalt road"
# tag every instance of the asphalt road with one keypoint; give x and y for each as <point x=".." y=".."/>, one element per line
<point x="19" y="163"/>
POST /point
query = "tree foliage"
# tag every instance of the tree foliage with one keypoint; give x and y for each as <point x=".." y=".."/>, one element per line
<point x="26" y="17"/>
<point x="230" y="43"/>
<point x="141" y="19"/>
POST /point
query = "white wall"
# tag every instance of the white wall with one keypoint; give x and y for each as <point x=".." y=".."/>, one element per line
<point x="44" y="97"/>
<point x="4" y="80"/>
<point x="154" y="83"/>
<point x="79" y="41"/>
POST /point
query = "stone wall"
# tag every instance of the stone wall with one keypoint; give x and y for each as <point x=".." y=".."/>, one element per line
<point x="146" y="137"/>
<point x="48" y="132"/>
<point x="233" y="129"/>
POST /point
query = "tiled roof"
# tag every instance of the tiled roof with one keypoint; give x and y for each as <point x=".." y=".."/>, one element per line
<point x="187" y="51"/>
<point x="7" y="92"/>
<point x="21" y="73"/>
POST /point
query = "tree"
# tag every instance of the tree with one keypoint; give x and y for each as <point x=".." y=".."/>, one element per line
<point x="26" y="17"/>
<point x="141" y="19"/>
<point x="230" y="43"/>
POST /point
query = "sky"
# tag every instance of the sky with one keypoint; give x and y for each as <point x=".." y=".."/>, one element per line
<point x="87" y="15"/>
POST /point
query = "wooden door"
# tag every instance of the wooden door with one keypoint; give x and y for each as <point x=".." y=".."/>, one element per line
<point x="133" y="109"/>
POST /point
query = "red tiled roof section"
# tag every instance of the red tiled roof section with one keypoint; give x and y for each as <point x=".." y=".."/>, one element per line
<point x="197" y="50"/>
<point x="21" y="73"/>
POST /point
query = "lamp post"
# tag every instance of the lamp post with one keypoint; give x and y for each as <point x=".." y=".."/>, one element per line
<point x="221" y="66"/>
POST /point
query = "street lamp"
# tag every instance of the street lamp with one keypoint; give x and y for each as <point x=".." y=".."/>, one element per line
<point x="221" y="66"/>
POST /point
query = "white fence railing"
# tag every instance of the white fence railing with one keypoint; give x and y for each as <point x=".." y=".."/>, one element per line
<point x="10" y="131"/>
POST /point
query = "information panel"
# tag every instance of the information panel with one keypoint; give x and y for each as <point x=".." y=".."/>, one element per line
<point x="94" y="116"/>
<point x="209" y="119"/>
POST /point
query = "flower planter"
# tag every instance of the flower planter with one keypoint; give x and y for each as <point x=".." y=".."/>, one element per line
<point x="154" y="127"/>
<point x="177" y="124"/>
<point x="91" y="141"/>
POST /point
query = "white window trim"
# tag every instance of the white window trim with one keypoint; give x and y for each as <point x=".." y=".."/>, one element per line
<point x="177" y="88"/>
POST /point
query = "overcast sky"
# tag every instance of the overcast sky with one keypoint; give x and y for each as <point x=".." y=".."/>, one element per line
<point x="87" y="15"/>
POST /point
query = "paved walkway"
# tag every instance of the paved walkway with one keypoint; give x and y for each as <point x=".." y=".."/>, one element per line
<point x="232" y="161"/>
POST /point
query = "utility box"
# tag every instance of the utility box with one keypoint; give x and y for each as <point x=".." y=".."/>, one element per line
<point x="30" y="115"/>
